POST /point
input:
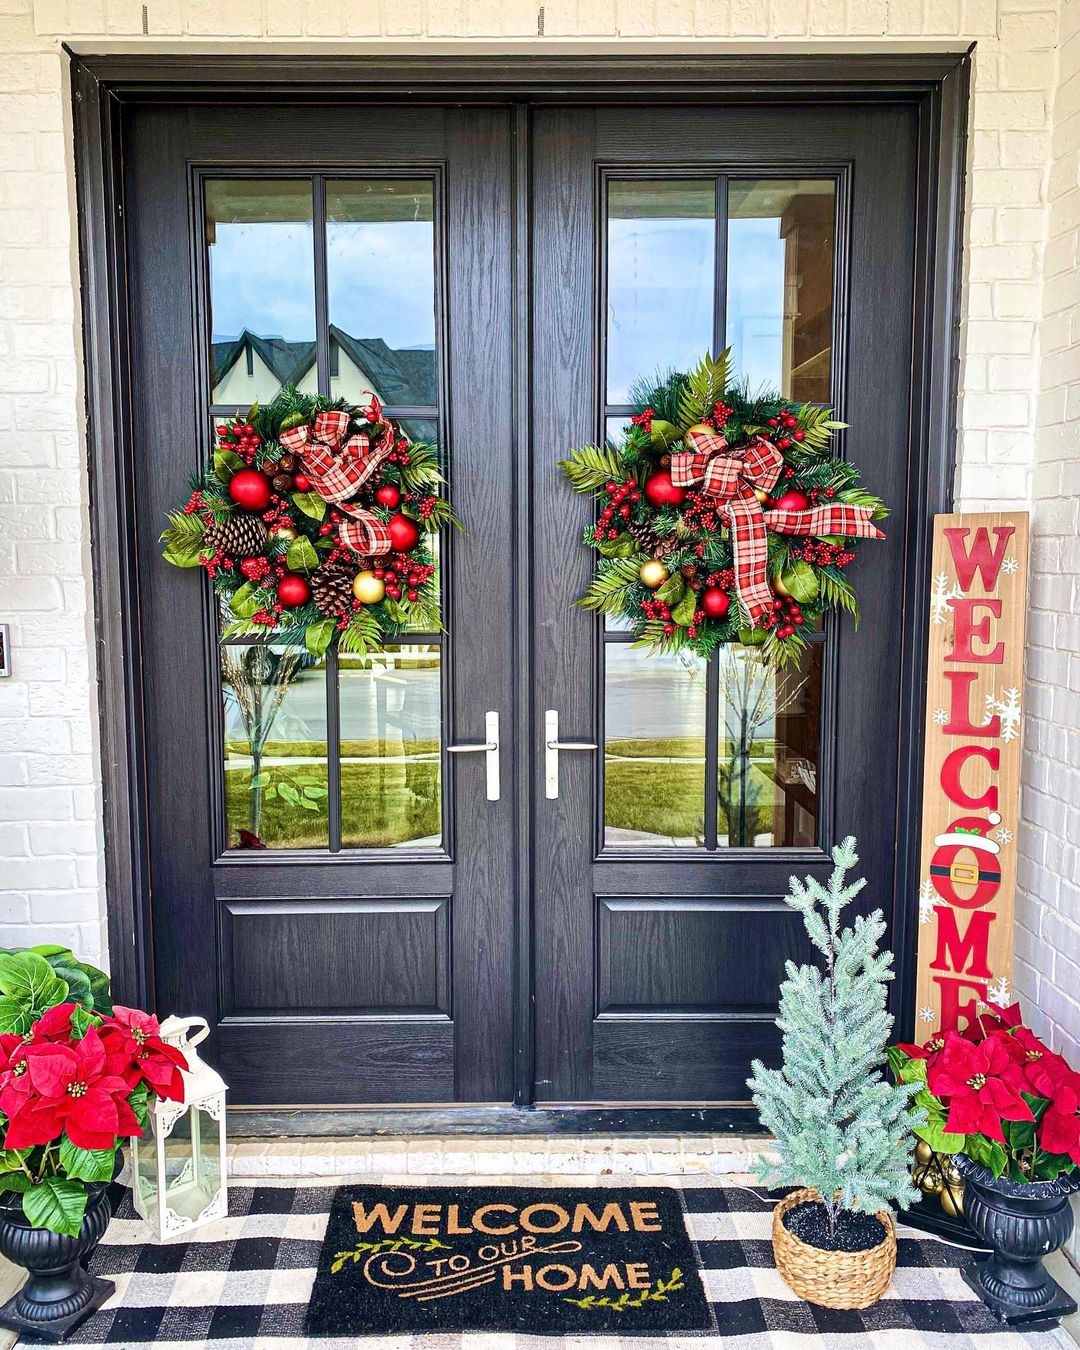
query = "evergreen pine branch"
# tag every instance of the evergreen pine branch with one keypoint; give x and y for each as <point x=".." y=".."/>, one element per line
<point x="363" y="635"/>
<point x="836" y="591"/>
<point x="590" y="467"/>
<point x="610" y="587"/>
<point x="705" y="387"/>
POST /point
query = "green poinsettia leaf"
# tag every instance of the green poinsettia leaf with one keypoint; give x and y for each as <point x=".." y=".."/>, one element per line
<point x="56" y="1203"/>
<point x="85" y="1164"/>
<point x="301" y="556"/>
<point x="11" y="1160"/>
<point x="318" y="636"/>
<point x="310" y="503"/>
<point x="82" y="1019"/>
<point x="18" y="1182"/>
<point x="936" y="1135"/>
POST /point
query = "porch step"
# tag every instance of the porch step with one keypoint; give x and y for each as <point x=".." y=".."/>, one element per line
<point x="495" y="1155"/>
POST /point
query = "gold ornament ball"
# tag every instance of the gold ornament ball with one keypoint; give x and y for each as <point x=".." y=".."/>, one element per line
<point x="778" y="585"/>
<point x="285" y="532"/>
<point x="923" y="1151"/>
<point x="698" y="429"/>
<point x="653" y="573"/>
<point x="952" y="1202"/>
<point x="761" y="495"/>
<point x="928" y="1179"/>
<point x="367" y="588"/>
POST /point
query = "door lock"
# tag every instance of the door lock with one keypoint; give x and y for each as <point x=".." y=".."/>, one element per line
<point x="489" y="748"/>
<point x="552" y="746"/>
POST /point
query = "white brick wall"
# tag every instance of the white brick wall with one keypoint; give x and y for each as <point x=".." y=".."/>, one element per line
<point x="1020" y="380"/>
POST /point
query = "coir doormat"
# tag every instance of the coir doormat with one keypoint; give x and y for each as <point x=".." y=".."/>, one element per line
<point x="507" y="1258"/>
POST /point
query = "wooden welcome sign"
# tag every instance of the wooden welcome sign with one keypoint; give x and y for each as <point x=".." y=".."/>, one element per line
<point x="971" y="775"/>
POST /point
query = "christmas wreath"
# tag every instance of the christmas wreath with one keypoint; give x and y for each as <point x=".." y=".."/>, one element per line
<point x="311" y="522"/>
<point x="722" y="516"/>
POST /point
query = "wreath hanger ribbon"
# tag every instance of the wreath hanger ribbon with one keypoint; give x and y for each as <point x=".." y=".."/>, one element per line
<point x="730" y="477"/>
<point x="339" y="465"/>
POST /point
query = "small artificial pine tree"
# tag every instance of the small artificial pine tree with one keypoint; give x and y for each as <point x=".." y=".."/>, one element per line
<point x="840" y="1125"/>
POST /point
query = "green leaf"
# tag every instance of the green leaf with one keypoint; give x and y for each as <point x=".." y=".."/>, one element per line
<point x="15" y="1181"/>
<point x="86" y="1164"/>
<point x="242" y="602"/>
<point x="301" y="556"/>
<point x="140" y="1096"/>
<point x="664" y="433"/>
<point x="289" y="793"/>
<point x="589" y="468"/>
<point x="82" y="1019"/>
<point x="988" y="1152"/>
<point x="614" y="578"/>
<point x="705" y="386"/>
<point x="14" y="1015"/>
<point x="683" y="612"/>
<point x="801" y="580"/>
<point x="69" y="969"/>
<point x="623" y="547"/>
<point x="318" y="636"/>
<point x="672" y="591"/>
<point x="57" y="1204"/>
<point x="30" y="980"/>
<point x="11" y="1160"/>
<point x="936" y="1135"/>
<point x="227" y="463"/>
<point x="315" y="792"/>
<point x="310" y="503"/>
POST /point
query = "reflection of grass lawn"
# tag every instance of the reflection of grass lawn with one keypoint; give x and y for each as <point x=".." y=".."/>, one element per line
<point x="317" y="749"/>
<point x="381" y="805"/>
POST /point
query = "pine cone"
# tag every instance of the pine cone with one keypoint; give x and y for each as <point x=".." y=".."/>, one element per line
<point x="664" y="548"/>
<point x="331" y="589"/>
<point x="643" y="535"/>
<point x="242" y="535"/>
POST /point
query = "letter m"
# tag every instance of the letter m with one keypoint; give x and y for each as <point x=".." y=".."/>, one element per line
<point x="954" y="952"/>
<point x="979" y="557"/>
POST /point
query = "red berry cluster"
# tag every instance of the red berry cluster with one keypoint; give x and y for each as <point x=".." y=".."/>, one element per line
<point x="400" y="452"/>
<point x="620" y="501"/>
<point x="784" y="617"/>
<point x="241" y="438"/>
<point x="643" y="419"/>
<point x="720" y="414"/>
<point x="194" y="503"/>
<point x="725" y="579"/>
<point x="822" y="554"/>
<point x="655" y="609"/>
<point x="425" y="506"/>
<point x="398" y="570"/>
<point x="255" y="569"/>
<point x="701" y="513"/>
<point x="787" y="422"/>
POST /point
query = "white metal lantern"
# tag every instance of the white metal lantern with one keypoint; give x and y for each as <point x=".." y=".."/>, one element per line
<point x="179" y="1169"/>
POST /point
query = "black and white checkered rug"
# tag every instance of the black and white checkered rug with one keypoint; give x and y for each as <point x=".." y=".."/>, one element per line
<point x="244" y="1284"/>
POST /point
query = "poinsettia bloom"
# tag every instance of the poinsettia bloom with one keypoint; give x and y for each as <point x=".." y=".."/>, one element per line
<point x="929" y="1050"/>
<point x="54" y="1025"/>
<point x="1045" y="1073"/>
<point x="1003" y="1019"/>
<point x="981" y="1086"/>
<point x="135" y="1050"/>
<point x="73" y="1093"/>
<point x="14" y="1083"/>
<point x="1059" y="1132"/>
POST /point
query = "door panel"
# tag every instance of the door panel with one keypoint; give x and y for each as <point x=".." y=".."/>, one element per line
<point x="659" y="925"/>
<point x="364" y="957"/>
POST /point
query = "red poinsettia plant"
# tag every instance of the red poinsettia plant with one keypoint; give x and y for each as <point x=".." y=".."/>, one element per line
<point x="998" y="1094"/>
<point x="72" y="1087"/>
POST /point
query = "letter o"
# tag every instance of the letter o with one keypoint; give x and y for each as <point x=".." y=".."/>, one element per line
<point x="544" y="1274"/>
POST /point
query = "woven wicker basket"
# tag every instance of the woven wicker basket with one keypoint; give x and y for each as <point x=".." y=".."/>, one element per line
<point x="832" y="1279"/>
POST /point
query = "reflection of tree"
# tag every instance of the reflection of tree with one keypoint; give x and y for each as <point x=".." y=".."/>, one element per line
<point x="754" y="695"/>
<point x="256" y="680"/>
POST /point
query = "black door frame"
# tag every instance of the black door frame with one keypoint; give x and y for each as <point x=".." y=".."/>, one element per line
<point x="103" y="87"/>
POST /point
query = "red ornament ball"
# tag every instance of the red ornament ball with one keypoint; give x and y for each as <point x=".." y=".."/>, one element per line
<point x="792" y="500"/>
<point x="293" y="591"/>
<point x="403" y="533"/>
<point x="715" y="602"/>
<point x="302" y="482"/>
<point x="388" y="495"/>
<point x="250" y="489"/>
<point x="661" y="491"/>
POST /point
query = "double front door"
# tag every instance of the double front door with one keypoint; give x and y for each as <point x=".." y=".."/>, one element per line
<point x="606" y="923"/>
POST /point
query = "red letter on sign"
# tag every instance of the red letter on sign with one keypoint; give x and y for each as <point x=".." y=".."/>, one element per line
<point x="954" y="952"/>
<point x="967" y="629"/>
<point x="978" y="558"/>
<point x="950" y="776"/>
<point x="951" y="1008"/>
<point x="960" y="723"/>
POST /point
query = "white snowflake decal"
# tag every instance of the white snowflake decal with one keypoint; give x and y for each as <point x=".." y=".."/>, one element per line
<point x="927" y="1015"/>
<point x="1003" y="835"/>
<point x="941" y="716"/>
<point x="941" y="598"/>
<point x="999" y="992"/>
<point x="1010" y="566"/>
<point x="926" y="901"/>
<point x="1008" y="709"/>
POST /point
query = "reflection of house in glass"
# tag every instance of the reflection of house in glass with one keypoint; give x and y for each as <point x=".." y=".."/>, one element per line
<point x="251" y="369"/>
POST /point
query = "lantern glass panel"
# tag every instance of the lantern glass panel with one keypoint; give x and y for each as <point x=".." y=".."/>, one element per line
<point x="192" y="1163"/>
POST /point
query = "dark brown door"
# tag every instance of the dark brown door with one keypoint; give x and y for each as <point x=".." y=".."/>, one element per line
<point x="363" y="956"/>
<point x="659" y="926"/>
<point x="368" y="954"/>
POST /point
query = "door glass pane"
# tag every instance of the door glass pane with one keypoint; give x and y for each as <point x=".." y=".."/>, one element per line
<point x="380" y="244"/>
<point x="654" y="749"/>
<point x="767" y="773"/>
<point x="391" y="737"/>
<point x="275" y="746"/>
<point x="262" y="288"/>
<point x="661" y="262"/>
<point x="781" y="237"/>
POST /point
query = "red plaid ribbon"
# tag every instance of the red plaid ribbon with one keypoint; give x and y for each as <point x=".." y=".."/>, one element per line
<point x="339" y="465"/>
<point x="731" y="477"/>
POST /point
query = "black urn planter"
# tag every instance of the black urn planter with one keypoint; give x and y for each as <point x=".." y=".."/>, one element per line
<point x="58" y="1295"/>
<point x="1022" y="1224"/>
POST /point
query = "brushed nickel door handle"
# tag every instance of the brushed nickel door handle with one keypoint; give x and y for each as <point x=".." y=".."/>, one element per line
<point x="552" y="746"/>
<point x="489" y="748"/>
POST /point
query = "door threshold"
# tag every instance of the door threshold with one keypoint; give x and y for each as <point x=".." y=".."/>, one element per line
<point x="455" y="1121"/>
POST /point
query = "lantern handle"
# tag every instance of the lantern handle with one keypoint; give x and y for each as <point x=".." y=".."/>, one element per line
<point x="174" y="1028"/>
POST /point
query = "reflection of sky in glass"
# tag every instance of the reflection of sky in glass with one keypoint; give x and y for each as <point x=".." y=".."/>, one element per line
<point x="756" y="300"/>
<point x="381" y="280"/>
<point x="660" y="297"/>
<point x="262" y="277"/>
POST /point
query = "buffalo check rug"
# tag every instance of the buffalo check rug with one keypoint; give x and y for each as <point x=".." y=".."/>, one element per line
<point x="246" y="1283"/>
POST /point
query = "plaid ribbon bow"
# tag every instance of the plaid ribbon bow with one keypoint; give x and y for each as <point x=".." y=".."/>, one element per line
<point x="730" y="476"/>
<point x="339" y="465"/>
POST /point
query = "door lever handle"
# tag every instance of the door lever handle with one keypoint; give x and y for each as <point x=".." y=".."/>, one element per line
<point x="552" y="746"/>
<point x="489" y="748"/>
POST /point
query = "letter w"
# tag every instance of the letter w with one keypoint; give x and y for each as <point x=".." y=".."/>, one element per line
<point x="979" y="557"/>
<point x="379" y="1214"/>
